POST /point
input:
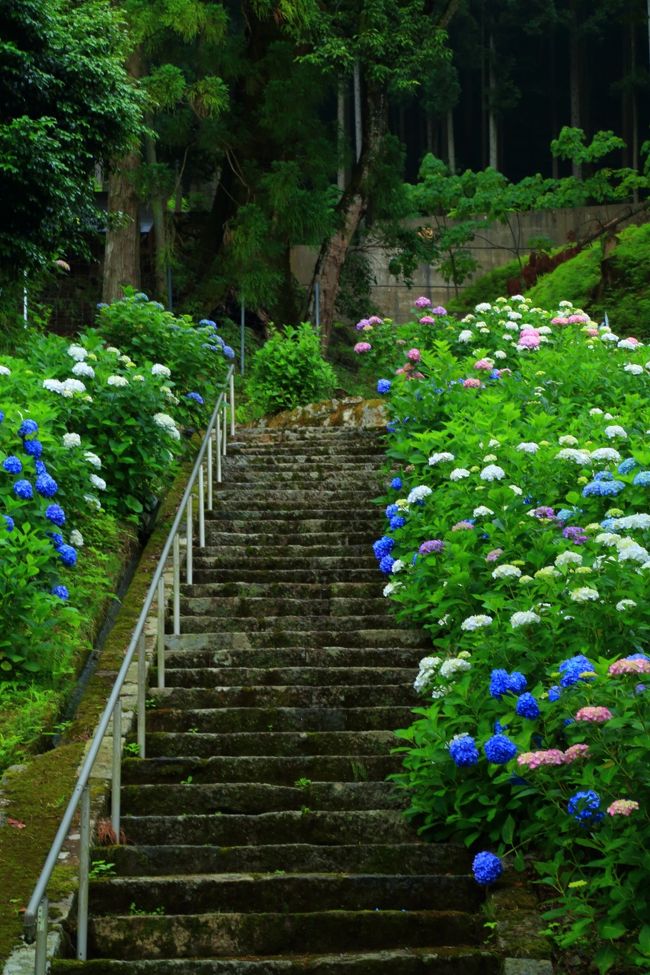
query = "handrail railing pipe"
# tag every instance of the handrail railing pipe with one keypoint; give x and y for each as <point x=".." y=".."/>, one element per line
<point x="36" y="915"/>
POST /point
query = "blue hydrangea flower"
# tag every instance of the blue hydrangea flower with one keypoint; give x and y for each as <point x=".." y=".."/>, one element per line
<point x="386" y="564"/>
<point x="383" y="546"/>
<point x="517" y="682"/>
<point x="196" y="397"/>
<point x="208" y="323"/>
<point x="638" y="656"/>
<point x="642" y="479"/>
<point x="397" y="522"/>
<point x="68" y="555"/>
<point x="228" y="352"/>
<point x="391" y="427"/>
<point x="383" y="386"/>
<point x="61" y="592"/>
<point x="140" y="296"/>
<point x="499" y="749"/>
<point x="572" y="668"/>
<point x="487" y="868"/>
<point x="9" y="523"/>
<point x="2" y="416"/>
<point x="40" y="467"/>
<point x="501" y="682"/>
<point x="564" y="514"/>
<point x="101" y="305"/>
<point x="46" y="485"/>
<point x="602" y="489"/>
<point x="463" y="751"/>
<point x="554" y="693"/>
<point x="27" y="428"/>
<point x="527" y="707"/>
<point x="12" y="465"/>
<point x="603" y="476"/>
<point x="396" y="483"/>
<point x="627" y="465"/>
<point x="33" y="447"/>
<point x="55" y="514"/>
<point x="23" y="489"/>
<point x="158" y="305"/>
<point x="585" y="807"/>
<point x="56" y="539"/>
<point x="391" y="511"/>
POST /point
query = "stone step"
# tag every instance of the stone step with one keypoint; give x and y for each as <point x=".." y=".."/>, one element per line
<point x="252" y="797"/>
<point x="314" y="495"/>
<point x="330" y="828"/>
<point x="442" y="960"/>
<point x="273" y="769"/>
<point x="209" y="935"/>
<point x="352" y="638"/>
<point x="289" y="743"/>
<point x="276" y="461"/>
<point x="357" y="476"/>
<point x="400" y="858"/>
<point x="220" y="720"/>
<point x="227" y="571"/>
<point x="280" y="509"/>
<point x="272" y="588"/>
<point x="297" y="657"/>
<point x="275" y="625"/>
<point x="238" y="607"/>
<point x="270" y="563"/>
<point x="291" y="537"/>
<point x="294" y="524"/>
<point x="337" y="696"/>
<point x="192" y="676"/>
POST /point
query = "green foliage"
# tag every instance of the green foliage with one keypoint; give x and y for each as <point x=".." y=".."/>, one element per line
<point x="486" y="287"/>
<point x="289" y="371"/>
<point x="576" y="280"/>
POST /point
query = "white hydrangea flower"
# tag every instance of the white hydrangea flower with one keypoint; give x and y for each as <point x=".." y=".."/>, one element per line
<point x="466" y="335"/>
<point x="482" y="511"/>
<point x="138" y="378"/>
<point x="98" y="482"/>
<point x="454" y="665"/>
<point x="615" y="431"/>
<point x="4" y="371"/>
<point x="489" y="458"/>
<point x="483" y="307"/>
<point x="632" y="552"/>
<point x="418" y="493"/>
<point x="76" y="538"/>
<point x="506" y="571"/>
<point x="568" y="441"/>
<point x="608" y="337"/>
<point x="392" y="587"/>
<point x="568" y="558"/>
<point x="93" y="459"/>
<point x="608" y="539"/>
<point x="500" y="354"/>
<point x="492" y="473"/>
<point x="71" y="440"/>
<point x="584" y="594"/>
<point x="544" y="330"/>
<point x="633" y="369"/>
<point x="71" y="386"/>
<point x="640" y="520"/>
<point x="528" y="447"/>
<point x="606" y="454"/>
<point x="113" y="350"/>
<point x="625" y="604"/>
<point x="475" y="622"/>
<point x="93" y="502"/>
<point x="458" y="474"/>
<point x="595" y="411"/>
<point x="426" y="672"/>
<point x="397" y="566"/>
<point x="77" y="352"/>
<point x="627" y="344"/>
<point x="524" y="618"/>
<point x="117" y="381"/>
<point x="514" y="316"/>
<point x="547" y="572"/>
<point x="441" y="458"/>
<point x="159" y="370"/>
<point x="83" y="369"/>
<point x="565" y="304"/>
<point x="580" y="457"/>
<point x="516" y="490"/>
<point x="53" y="386"/>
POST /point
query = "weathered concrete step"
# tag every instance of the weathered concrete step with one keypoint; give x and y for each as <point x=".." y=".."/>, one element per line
<point x="192" y="676"/>
<point x="297" y="476"/>
<point x="275" y="625"/>
<point x="207" y="935"/>
<point x="378" y="858"/>
<point x="280" y="509"/>
<point x="272" y="562"/>
<point x="261" y="893"/>
<point x="216" y="607"/>
<point x="290" y="743"/>
<point x="294" y="524"/>
<point x="277" y="589"/>
<point x="353" y="637"/>
<point x="240" y="496"/>
<point x="273" y="769"/>
<point x="298" y="657"/>
<point x="219" y="720"/>
<point x="292" y="536"/>
<point x="313" y="449"/>
<point x="279" y="461"/>
<point x="286" y="697"/>
<point x="397" y="961"/>
<point x="252" y="797"/>
<point x="228" y="573"/>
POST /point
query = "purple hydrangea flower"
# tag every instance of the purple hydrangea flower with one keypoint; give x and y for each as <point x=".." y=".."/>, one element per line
<point x="433" y="545"/>
<point x="574" y="534"/>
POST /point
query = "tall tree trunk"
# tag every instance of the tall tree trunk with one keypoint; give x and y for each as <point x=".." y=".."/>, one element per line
<point x="492" y="119"/>
<point x="340" y="134"/>
<point x="159" y="224"/>
<point x="122" y="250"/>
<point x="574" y="80"/>
<point x="555" y="168"/>
<point x="451" y="142"/>
<point x="350" y="212"/>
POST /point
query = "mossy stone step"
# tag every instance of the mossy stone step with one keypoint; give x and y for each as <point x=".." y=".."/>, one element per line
<point x="280" y="509"/>
<point x="399" y="858"/>
<point x="192" y="676"/>
<point x="397" y="961"/>
<point x="228" y="573"/>
<point x="270" y="564"/>
<point x="234" y="497"/>
<point x="274" y="588"/>
<point x="289" y="743"/>
<point x="278" y="719"/>
<point x="207" y="935"/>
<point x="274" y="626"/>
<point x="302" y="475"/>
<point x="349" y="827"/>
<point x="286" y="697"/>
<point x="356" y="637"/>
<point x="281" y="770"/>
<point x="256" y="547"/>
<point x="165" y="799"/>
<point x="271" y="524"/>
<point x="298" y="657"/>
<point x="217" y="607"/>
<point x="290" y="535"/>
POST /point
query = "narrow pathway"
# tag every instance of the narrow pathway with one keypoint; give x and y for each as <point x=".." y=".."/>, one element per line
<point x="262" y="834"/>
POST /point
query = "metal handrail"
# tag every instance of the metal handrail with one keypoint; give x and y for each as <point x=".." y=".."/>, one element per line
<point x="36" y="915"/>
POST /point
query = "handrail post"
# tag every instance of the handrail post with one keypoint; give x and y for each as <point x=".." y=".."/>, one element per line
<point x="142" y="681"/>
<point x="40" y="963"/>
<point x="116" y="776"/>
<point x="201" y="507"/>
<point x="161" y="634"/>
<point x="189" y="542"/>
<point x="177" y="585"/>
<point x="232" y="405"/>
<point x="218" y="439"/>
<point x="84" y="867"/>
<point x="224" y="432"/>
<point x="210" y="474"/>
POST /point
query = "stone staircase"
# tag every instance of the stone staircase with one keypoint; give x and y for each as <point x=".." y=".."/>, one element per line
<point x="262" y="835"/>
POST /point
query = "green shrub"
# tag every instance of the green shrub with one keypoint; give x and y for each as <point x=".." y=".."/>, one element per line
<point x="289" y="371"/>
<point x="575" y="280"/>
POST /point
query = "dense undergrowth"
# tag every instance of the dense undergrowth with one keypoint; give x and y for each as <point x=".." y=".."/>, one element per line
<point x="517" y="520"/>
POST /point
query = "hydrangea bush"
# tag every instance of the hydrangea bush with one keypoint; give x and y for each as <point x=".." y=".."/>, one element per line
<point x="518" y="518"/>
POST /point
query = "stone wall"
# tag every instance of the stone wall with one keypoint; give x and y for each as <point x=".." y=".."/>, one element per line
<point x="491" y="250"/>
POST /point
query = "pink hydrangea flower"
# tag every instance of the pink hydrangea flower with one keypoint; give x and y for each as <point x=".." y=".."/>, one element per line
<point x="559" y="320"/>
<point x="427" y="320"/>
<point x="550" y="756"/>
<point x="414" y="355"/>
<point x="495" y="554"/>
<point x="577" y="319"/>
<point x="529" y="340"/>
<point x="462" y="526"/>
<point x="375" y="320"/>
<point x="361" y="347"/>
<point x="438" y="310"/>
<point x="639" y="666"/>
<point x="422" y="302"/>
<point x="416" y="375"/>
<point x="596" y="715"/>
<point x="483" y="364"/>
<point x="574" y="752"/>
<point x="622" y="807"/>
<point x="471" y="383"/>
<point x="591" y="332"/>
